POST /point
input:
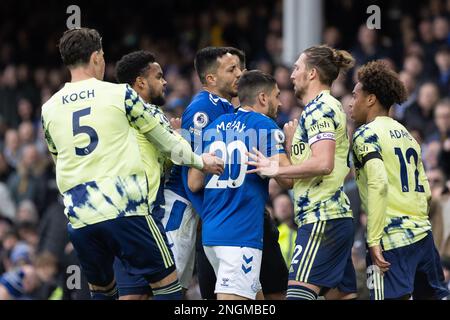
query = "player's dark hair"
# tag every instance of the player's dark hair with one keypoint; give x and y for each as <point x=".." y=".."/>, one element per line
<point x="206" y="59"/>
<point x="240" y="54"/>
<point x="77" y="45"/>
<point x="328" y="62"/>
<point x="376" y="78"/>
<point x="252" y="83"/>
<point x="133" y="65"/>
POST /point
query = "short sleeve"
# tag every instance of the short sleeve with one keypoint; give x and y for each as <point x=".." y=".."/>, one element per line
<point x="48" y="139"/>
<point x="366" y="146"/>
<point x="320" y="123"/>
<point x="271" y="138"/>
<point x="138" y="112"/>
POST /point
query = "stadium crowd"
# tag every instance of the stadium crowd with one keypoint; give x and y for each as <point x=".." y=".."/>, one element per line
<point x="415" y="41"/>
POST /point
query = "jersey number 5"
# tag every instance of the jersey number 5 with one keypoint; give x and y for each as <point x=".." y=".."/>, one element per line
<point x="78" y="129"/>
<point x="227" y="157"/>
<point x="404" y="171"/>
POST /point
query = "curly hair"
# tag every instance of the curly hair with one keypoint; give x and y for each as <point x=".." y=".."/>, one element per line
<point x="133" y="65"/>
<point x="376" y="78"/>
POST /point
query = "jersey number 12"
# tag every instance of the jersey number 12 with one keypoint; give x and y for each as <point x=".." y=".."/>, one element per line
<point x="404" y="171"/>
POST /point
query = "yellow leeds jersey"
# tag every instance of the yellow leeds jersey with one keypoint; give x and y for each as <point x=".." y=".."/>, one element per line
<point x="406" y="217"/>
<point x="321" y="198"/>
<point x="154" y="161"/>
<point x="90" y="128"/>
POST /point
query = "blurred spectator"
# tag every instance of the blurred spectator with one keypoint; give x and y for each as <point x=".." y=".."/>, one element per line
<point x="446" y="269"/>
<point x="274" y="189"/>
<point x="26" y="133"/>
<point x="431" y="153"/>
<point x="368" y="47"/>
<point x="53" y="237"/>
<point x="436" y="179"/>
<point x="283" y="212"/>
<point x="442" y="60"/>
<point x="332" y="37"/>
<point x="27" y="182"/>
<point x="414" y="66"/>
<point x="11" y="150"/>
<point x="420" y="114"/>
<point x="18" y="283"/>
<point x="25" y="110"/>
<point x="282" y="75"/>
<point x="441" y="30"/>
<point x="288" y="103"/>
<point x="27" y="213"/>
<point x="442" y="121"/>
<point x="21" y="254"/>
<point x="410" y="84"/>
<point x="7" y="205"/>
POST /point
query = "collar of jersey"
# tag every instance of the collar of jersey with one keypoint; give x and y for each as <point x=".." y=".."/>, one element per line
<point x="77" y="82"/>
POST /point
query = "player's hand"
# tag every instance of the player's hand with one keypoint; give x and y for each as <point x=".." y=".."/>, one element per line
<point x="264" y="166"/>
<point x="212" y="164"/>
<point x="175" y="123"/>
<point x="289" y="130"/>
<point x="376" y="254"/>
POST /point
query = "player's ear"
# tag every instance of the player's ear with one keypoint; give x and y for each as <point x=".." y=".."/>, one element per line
<point x="140" y="82"/>
<point x="94" y="58"/>
<point x="210" y="79"/>
<point x="371" y="99"/>
<point x="262" y="98"/>
<point x="312" y="73"/>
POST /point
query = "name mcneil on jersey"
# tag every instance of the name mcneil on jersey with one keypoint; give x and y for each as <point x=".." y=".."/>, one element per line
<point x="75" y="96"/>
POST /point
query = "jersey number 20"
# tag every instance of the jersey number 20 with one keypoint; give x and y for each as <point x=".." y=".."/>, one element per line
<point x="227" y="156"/>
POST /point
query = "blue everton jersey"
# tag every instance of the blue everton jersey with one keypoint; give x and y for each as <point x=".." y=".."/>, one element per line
<point x="204" y="109"/>
<point x="233" y="204"/>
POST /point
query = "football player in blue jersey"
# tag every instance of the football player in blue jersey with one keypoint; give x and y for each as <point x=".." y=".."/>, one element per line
<point x="234" y="202"/>
<point x="219" y="69"/>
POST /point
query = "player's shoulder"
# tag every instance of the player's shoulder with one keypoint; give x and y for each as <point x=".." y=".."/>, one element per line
<point x="262" y="120"/>
<point x="324" y="105"/>
<point x="365" y="133"/>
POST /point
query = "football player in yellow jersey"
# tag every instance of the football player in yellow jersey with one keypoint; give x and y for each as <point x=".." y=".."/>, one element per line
<point x="319" y="146"/>
<point x="89" y="129"/>
<point x="402" y="259"/>
<point x="140" y="70"/>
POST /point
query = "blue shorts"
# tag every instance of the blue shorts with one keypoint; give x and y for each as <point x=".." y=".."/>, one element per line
<point x="130" y="284"/>
<point x="137" y="241"/>
<point x="415" y="270"/>
<point x="322" y="255"/>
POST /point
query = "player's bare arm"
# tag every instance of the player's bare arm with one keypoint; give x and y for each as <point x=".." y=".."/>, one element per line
<point x="273" y="164"/>
<point x="321" y="163"/>
<point x="289" y="132"/>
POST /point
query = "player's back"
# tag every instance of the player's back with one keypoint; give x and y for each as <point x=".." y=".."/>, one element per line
<point x="98" y="168"/>
<point x="408" y="188"/>
<point x="233" y="205"/>
<point x="202" y="111"/>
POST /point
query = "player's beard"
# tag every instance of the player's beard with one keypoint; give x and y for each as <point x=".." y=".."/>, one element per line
<point x="301" y="91"/>
<point x="158" y="100"/>
<point x="272" y="112"/>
